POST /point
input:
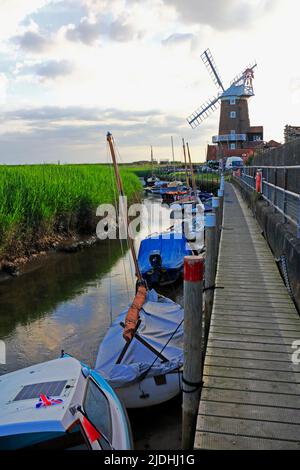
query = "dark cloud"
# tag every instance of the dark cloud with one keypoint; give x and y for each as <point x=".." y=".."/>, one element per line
<point x="177" y="38"/>
<point x="221" y="14"/>
<point x="31" y="42"/>
<point x="121" y="31"/>
<point x="49" y="69"/>
<point x="86" y="32"/>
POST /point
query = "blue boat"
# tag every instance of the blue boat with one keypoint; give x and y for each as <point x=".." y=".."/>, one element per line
<point x="161" y="257"/>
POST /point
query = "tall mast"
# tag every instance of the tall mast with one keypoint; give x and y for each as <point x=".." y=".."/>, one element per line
<point x="192" y="171"/>
<point x="173" y="155"/>
<point x="152" y="162"/>
<point x="185" y="165"/>
<point x="110" y="141"/>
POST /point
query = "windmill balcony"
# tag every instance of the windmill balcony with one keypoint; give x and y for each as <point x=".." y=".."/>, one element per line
<point x="229" y="138"/>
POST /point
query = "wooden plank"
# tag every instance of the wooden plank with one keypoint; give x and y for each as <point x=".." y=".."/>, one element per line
<point x="258" y="319"/>
<point x="240" y="345"/>
<point x="253" y="338"/>
<point x="218" y="441"/>
<point x="255" y="332"/>
<point x="249" y="427"/>
<point x="242" y="354"/>
<point x="254" y="398"/>
<point x="241" y="411"/>
<point x="257" y="364"/>
<point x="253" y="374"/>
<point x="256" y="325"/>
<point x="231" y="383"/>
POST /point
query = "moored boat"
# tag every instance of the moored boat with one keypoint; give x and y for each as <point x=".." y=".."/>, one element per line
<point x="141" y="354"/>
<point x="146" y="370"/>
<point x="61" y="404"/>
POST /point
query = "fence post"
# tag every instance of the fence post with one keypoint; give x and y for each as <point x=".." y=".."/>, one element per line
<point x="284" y="194"/>
<point x="210" y="268"/>
<point x="275" y="190"/>
<point x="298" y="225"/>
<point x="192" y="367"/>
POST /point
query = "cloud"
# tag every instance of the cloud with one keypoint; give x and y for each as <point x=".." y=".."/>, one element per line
<point x="47" y="70"/>
<point x="83" y="126"/>
<point x="220" y="14"/>
<point x="121" y="30"/>
<point x="86" y="31"/>
<point x="31" y="41"/>
<point x="177" y="38"/>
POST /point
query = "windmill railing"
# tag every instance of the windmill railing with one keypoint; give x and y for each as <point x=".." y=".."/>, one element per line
<point x="280" y="188"/>
<point x="229" y="138"/>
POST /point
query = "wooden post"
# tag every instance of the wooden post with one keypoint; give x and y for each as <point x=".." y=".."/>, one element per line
<point x="210" y="268"/>
<point x="221" y="204"/>
<point x="192" y="368"/>
<point x="216" y="210"/>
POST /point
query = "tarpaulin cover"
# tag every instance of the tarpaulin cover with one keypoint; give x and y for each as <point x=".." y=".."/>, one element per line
<point x="159" y="319"/>
<point x="172" y="250"/>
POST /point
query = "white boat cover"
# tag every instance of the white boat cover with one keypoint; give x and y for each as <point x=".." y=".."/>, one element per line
<point x="160" y="318"/>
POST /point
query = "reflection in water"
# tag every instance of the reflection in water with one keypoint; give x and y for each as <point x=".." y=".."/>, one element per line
<point x="68" y="303"/>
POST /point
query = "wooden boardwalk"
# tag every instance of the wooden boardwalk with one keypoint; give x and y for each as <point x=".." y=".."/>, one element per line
<point x="251" y="393"/>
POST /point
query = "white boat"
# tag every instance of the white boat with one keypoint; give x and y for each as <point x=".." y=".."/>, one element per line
<point x="61" y="404"/>
<point x="142" y="353"/>
<point x="147" y="370"/>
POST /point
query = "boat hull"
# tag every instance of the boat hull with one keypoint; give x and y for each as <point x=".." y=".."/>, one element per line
<point x="151" y="390"/>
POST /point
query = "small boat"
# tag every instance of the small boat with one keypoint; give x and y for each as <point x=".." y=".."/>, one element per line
<point x="147" y="370"/>
<point x="61" y="404"/>
<point x="161" y="255"/>
<point x="156" y="188"/>
<point x="141" y="355"/>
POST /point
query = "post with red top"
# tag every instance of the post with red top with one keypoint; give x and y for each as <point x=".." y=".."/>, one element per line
<point x="192" y="366"/>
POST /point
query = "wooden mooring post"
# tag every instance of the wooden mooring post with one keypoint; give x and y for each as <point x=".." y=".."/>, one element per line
<point x="192" y="367"/>
<point x="210" y="268"/>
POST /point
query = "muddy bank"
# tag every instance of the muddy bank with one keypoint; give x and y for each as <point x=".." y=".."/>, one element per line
<point x="13" y="266"/>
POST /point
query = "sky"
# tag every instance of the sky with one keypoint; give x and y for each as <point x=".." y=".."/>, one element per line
<point x="71" y="70"/>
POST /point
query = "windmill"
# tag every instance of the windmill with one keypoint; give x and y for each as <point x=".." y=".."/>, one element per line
<point x="235" y="132"/>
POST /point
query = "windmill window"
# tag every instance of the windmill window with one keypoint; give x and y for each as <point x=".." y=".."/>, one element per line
<point x="232" y="114"/>
<point x="232" y="132"/>
<point x="232" y="100"/>
<point x="232" y="146"/>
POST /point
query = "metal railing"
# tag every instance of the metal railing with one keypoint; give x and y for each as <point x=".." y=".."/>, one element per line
<point x="280" y="188"/>
<point x="228" y="137"/>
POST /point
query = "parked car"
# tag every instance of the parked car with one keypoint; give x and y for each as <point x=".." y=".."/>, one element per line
<point x="233" y="163"/>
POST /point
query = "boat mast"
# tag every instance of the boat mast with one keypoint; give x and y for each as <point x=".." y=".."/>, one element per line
<point x="192" y="171"/>
<point x="152" y="162"/>
<point x="173" y="156"/>
<point x="185" y="165"/>
<point x="121" y="192"/>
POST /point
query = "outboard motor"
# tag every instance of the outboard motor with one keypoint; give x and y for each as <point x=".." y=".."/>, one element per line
<point x="156" y="263"/>
<point x="155" y="260"/>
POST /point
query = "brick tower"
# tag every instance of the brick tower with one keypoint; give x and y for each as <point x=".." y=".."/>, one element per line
<point x="236" y="137"/>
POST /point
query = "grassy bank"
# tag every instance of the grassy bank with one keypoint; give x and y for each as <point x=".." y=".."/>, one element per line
<point x="41" y="201"/>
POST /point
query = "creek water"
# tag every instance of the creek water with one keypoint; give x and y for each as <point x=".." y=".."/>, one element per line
<point x="67" y="301"/>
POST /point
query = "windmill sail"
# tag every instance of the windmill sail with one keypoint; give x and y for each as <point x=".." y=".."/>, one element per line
<point x="212" y="68"/>
<point x="203" y="112"/>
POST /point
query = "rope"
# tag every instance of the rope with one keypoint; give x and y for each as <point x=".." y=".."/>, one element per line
<point x="142" y="377"/>
<point x="196" y="385"/>
<point x="213" y="287"/>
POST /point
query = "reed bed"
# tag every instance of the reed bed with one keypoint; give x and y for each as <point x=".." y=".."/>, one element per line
<point x="41" y="200"/>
